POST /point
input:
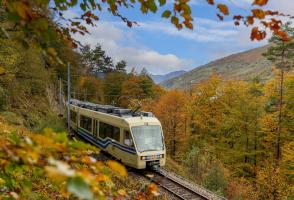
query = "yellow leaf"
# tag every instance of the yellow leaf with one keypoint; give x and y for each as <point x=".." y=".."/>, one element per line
<point x="22" y="9"/>
<point x="2" y="181"/>
<point x="117" y="167"/>
<point x="32" y="156"/>
<point x="52" y="52"/>
<point x="122" y="192"/>
<point x="55" y="175"/>
<point x="2" y="71"/>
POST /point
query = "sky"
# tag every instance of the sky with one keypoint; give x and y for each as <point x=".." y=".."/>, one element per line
<point x="159" y="47"/>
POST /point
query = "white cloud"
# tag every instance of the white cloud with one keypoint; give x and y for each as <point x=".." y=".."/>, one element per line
<point x="111" y="38"/>
<point x="205" y="30"/>
<point x="222" y="38"/>
<point x="285" y="6"/>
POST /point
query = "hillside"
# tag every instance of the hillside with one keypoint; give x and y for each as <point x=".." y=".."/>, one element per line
<point x="161" y="78"/>
<point x="242" y="66"/>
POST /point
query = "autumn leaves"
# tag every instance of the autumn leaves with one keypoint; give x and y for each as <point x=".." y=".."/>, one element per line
<point x="45" y="23"/>
<point x="274" y="25"/>
<point x="49" y="166"/>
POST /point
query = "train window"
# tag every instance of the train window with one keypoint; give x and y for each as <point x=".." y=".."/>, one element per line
<point x="86" y="123"/>
<point x="128" y="139"/>
<point x="116" y="133"/>
<point x="73" y="116"/>
<point x="106" y="130"/>
<point x="95" y="128"/>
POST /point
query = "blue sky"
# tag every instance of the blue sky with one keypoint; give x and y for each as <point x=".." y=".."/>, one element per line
<point x="159" y="47"/>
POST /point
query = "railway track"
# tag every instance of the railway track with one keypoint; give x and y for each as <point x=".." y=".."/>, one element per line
<point x="180" y="188"/>
<point x="171" y="182"/>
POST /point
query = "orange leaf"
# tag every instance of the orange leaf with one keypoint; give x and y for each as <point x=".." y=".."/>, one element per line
<point x="211" y="2"/>
<point x="87" y="14"/>
<point x="250" y="20"/>
<point x="269" y="12"/>
<point x="152" y="188"/>
<point x="237" y="17"/>
<point x="258" y="13"/>
<point x="260" y="2"/>
<point x="275" y="25"/>
<point x="188" y="24"/>
<point x="282" y="35"/>
<point x="256" y="34"/>
<point x="223" y="9"/>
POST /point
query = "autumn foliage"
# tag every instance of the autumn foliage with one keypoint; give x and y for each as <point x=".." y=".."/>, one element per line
<point x="224" y="134"/>
<point x="48" y="165"/>
<point x="35" y="18"/>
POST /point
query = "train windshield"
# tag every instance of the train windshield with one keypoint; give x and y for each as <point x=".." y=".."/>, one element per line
<point x="148" y="138"/>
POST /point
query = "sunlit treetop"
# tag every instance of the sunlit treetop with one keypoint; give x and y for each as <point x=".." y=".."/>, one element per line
<point x="38" y="17"/>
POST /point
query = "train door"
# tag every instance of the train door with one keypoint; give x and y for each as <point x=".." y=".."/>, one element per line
<point x="127" y="140"/>
<point x="95" y="128"/>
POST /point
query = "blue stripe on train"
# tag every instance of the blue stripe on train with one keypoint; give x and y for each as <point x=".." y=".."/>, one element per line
<point x="104" y="143"/>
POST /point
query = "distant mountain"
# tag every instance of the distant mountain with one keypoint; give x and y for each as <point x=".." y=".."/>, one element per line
<point x="241" y="66"/>
<point x="160" y="78"/>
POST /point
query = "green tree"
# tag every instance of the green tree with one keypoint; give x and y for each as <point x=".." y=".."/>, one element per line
<point x="113" y="87"/>
<point x="87" y="57"/>
<point x="96" y="59"/>
<point x="121" y="66"/>
<point x="216" y="181"/>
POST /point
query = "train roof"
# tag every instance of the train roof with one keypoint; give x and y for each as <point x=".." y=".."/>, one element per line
<point x="111" y="110"/>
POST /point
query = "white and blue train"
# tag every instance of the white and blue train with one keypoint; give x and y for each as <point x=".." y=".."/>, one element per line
<point x="136" y="139"/>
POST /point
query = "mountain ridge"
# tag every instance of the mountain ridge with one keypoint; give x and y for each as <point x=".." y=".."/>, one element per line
<point x="242" y="66"/>
<point x="160" y="78"/>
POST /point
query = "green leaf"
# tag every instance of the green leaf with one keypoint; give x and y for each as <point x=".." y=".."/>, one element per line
<point x="166" y="14"/>
<point x="79" y="188"/>
<point x="13" y="17"/>
<point x="62" y="137"/>
<point x="14" y="138"/>
<point x="174" y="20"/>
<point x="83" y="6"/>
<point x="144" y="9"/>
<point x="151" y="5"/>
<point x="162" y="2"/>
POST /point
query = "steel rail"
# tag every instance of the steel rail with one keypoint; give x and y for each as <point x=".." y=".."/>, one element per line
<point x="174" y="187"/>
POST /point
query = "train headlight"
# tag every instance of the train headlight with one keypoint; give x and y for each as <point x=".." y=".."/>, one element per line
<point x="143" y="157"/>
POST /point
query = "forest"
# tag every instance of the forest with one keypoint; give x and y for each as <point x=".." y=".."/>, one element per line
<point x="233" y="137"/>
<point x="227" y="135"/>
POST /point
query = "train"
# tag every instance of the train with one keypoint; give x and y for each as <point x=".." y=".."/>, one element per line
<point x="135" y="138"/>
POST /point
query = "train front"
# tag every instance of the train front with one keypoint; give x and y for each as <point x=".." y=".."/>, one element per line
<point x="149" y="143"/>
